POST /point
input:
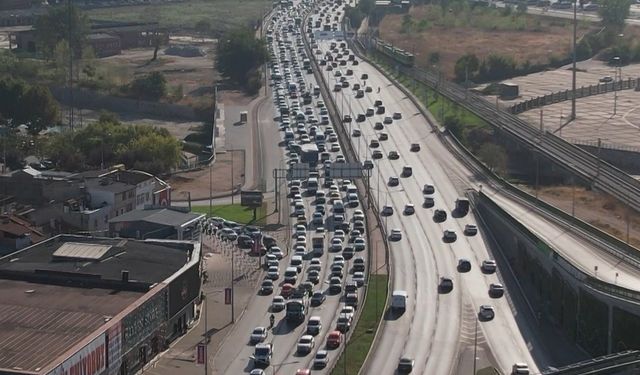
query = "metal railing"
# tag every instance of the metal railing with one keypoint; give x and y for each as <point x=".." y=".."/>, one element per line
<point x="582" y="92"/>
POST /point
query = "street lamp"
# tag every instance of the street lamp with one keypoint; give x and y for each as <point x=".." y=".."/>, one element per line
<point x="617" y="70"/>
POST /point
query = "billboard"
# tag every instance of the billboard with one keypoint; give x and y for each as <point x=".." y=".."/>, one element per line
<point x="251" y="198"/>
<point x="114" y="348"/>
<point x="184" y="289"/>
<point x="90" y="360"/>
<point x="144" y="320"/>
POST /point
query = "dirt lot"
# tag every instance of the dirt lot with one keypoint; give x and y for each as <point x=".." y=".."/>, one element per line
<point x="197" y="182"/>
<point x="597" y="209"/>
<point x="194" y="74"/>
<point x="524" y="37"/>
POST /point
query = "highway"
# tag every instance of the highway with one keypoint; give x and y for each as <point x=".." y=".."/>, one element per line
<point x="430" y="328"/>
<point x="235" y="355"/>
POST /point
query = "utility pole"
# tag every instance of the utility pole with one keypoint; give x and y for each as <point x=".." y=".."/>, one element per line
<point x="616" y="60"/>
<point x="573" y="73"/>
<point x="206" y="335"/>
<point x="70" y="37"/>
<point x="475" y="347"/>
<point x="233" y="277"/>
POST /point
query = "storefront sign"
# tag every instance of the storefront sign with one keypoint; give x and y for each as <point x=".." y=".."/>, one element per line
<point x="90" y="360"/>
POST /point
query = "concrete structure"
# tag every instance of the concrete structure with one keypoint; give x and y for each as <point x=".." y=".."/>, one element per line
<point x="170" y="223"/>
<point x="93" y="306"/>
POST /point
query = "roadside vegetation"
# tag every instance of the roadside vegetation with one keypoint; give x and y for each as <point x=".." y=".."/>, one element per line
<point x="362" y="338"/>
<point x="239" y="58"/>
<point x="108" y="142"/>
<point x="233" y="212"/>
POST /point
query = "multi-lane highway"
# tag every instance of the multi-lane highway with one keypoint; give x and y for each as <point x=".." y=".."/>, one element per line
<point x="429" y="330"/>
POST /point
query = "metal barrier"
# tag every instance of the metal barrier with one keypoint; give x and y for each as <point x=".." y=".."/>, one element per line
<point x="582" y="92"/>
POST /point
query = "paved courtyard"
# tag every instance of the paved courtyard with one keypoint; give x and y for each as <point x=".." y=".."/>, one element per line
<point x="595" y="114"/>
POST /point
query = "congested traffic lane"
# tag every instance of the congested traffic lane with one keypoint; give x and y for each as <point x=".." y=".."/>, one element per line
<point x="440" y="357"/>
<point x="236" y="358"/>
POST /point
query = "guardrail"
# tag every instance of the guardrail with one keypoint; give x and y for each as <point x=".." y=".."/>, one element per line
<point x="582" y="92"/>
<point x="608" y="243"/>
<point x="602" y="175"/>
<point x="351" y="156"/>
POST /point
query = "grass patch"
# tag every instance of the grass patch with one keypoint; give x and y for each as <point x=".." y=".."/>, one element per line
<point x="488" y="371"/>
<point x="221" y="14"/>
<point x="361" y="340"/>
<point x="234" y="212"/>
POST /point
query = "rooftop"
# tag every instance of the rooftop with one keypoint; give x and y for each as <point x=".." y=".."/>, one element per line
<point x="35" y="316"/>
<point x="148" y="262"/>
<point x="162" y="216"/>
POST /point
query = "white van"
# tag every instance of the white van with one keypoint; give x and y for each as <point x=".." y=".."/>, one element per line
<point x="296" y="261"/>
<point x="399" y="300"/>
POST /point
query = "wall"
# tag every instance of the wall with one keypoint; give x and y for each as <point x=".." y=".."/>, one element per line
<point x="585" y="310"/>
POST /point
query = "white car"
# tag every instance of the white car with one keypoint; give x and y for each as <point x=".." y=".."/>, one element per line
<point x="358" y="215"/>
<point x="259" y="334"/>
<point x="306" y="344"/>
<point x="300" y="230"/>
<point x="314" y="326"/>
<point x="228" y="234"/>
<point x="321" y="359"/>
<point x="358" y="278"/>
<point x="273" y="273"/>
<point x="277" y="304"/>
<point x="277" y="252"/>
<point x="396" y="235"/>
<point x="336" y="244"/>
<point x="338" y="259"/>
<point x="348" y="311"/>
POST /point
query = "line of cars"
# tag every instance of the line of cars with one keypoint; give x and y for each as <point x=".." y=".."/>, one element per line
<point x="323" y="210"/>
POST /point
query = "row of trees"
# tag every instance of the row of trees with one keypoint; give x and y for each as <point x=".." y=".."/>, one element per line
<point x="136" y="146"/>
<point x="23" y="103"/>
<point x="239" y="58"/>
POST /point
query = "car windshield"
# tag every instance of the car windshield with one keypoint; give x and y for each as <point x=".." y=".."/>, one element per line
<point x="262" y="351"/>
<point x="257" y="331"/>
<point x="321" y="355"/>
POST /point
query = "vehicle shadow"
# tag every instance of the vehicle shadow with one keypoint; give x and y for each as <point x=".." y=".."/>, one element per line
<point x="391" y="315"/>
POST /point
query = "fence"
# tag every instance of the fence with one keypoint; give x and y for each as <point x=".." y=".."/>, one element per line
<point x="582" y="92"/>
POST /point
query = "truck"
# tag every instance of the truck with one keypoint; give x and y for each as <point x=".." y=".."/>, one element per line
<point x="317" y="245"/>
<point x="262" y="354"/>
<point x="309" y="154"/>
<point x="462" y="206"/>
<point x="399" y="300"/>
<point x="296" y="310"/>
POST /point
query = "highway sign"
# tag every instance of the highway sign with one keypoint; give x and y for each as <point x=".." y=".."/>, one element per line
<point x="251" y="198"/>
<point x="345" y="170"/>
<point x="299" y="171"/>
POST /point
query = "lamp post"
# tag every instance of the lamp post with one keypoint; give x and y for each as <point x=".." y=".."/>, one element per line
<point x="617" y="67"/>
<point x="573" y="72"/>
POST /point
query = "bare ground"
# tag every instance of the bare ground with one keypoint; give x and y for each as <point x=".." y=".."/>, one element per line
<point x="197" y="182"/>
<point x="598" y="209"/>
<point x="453" y="42"/>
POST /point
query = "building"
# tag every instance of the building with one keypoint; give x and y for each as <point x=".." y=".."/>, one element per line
<point x="59" y="202"/>
<point x="107" y="38"/>
<point x="104" y="45"/>
<point x="94" y="306"/>
<point x="17" y="233"/>
<point x="167" y="222"/>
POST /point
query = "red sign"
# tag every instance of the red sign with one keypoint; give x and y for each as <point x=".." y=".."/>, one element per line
<point x="201" y="354"/>
<point x="227" y="296"/>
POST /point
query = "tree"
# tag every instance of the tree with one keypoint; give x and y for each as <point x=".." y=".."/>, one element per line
<point x="203" y="27"/>
<point x="613" y="14"/>
<point x="494" y="156"/>
<point x="38" y="109"/>
<point x="466" y="66"/>
<point x="61" y="23"/>
<point x="239" y="52"/>
<point x="152" y="86"/>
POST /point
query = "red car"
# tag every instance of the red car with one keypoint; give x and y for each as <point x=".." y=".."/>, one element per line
<point x="334" y="339"/>
<point x="286" y="291"/>
<point x="303" y="371"/>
